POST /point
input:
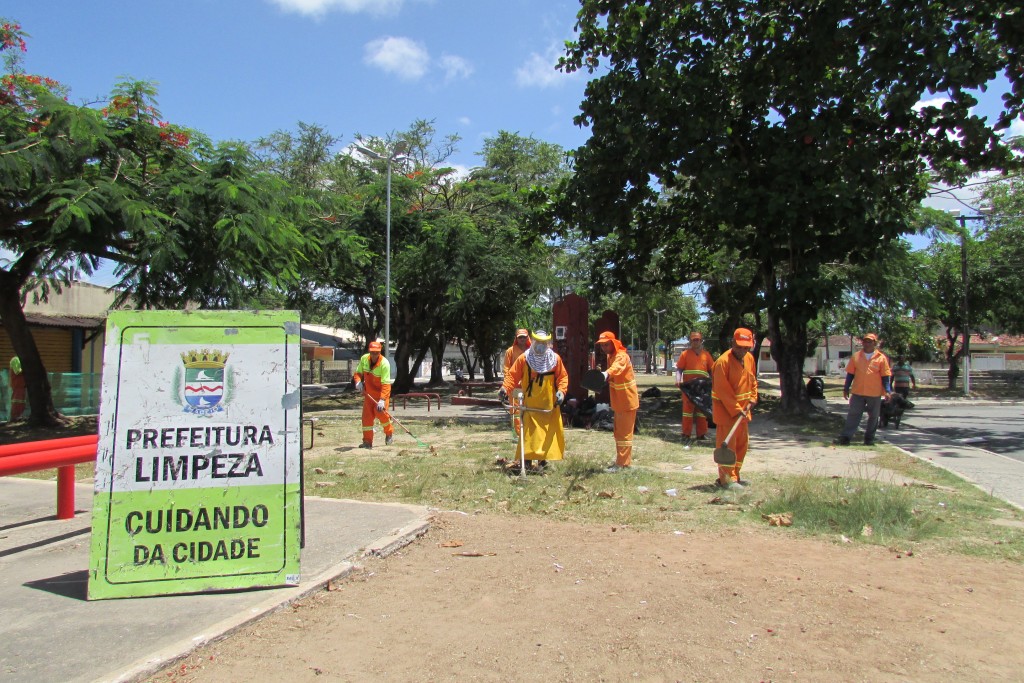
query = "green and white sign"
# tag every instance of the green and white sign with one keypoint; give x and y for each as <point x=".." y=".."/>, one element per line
<point x="197" y="473"/>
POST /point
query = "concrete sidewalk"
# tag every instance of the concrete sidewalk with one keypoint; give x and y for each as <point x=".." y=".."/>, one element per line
<point x="49" y="632"/>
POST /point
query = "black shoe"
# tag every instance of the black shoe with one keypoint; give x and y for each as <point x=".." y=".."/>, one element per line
<point x="841" y="441"/>
<point x="366" y="445"/>
<point x="743" y="482"/>
<point x="388" y="440"/>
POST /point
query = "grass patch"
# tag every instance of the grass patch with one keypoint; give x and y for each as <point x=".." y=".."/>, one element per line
<point x="670" y="488"/>
<point x="864" y="508"/>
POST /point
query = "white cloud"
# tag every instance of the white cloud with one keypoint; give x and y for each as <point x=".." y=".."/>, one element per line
<point x="465" y="120"/>
<point x="455" y="67"/>
<point x="936" y="102"/>
<point x="402" y="57"/>
<point x="539" y="71"/>
<point x="1016" y="127"/>
<point x="317" y="8"/>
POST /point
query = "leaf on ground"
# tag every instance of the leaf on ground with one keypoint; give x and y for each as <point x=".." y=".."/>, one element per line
<point x="606" y="494"/>
<point x="452" y="544"/>
<point x="779" y="519"/>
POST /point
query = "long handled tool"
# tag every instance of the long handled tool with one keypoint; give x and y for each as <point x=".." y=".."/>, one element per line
<point x="517" y="396"/>
<point x="724" y="455"/>
<point x="404" y="428"/>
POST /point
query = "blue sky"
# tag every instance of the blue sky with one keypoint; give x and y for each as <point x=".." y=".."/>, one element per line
<point x="241" y="69"/>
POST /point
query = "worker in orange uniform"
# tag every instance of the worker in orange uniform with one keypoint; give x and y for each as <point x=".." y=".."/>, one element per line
<point x="694" y="363"/>
<point x="373" y="379"/>
<point x="541" y="375"/>
<point x="869" y="376"/>
<point x="624" y="397"/>
<point x="733" y="394"/>
<point x="519" y="346"/>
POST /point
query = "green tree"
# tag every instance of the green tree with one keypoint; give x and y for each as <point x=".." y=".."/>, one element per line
<point x="794" y="133"/>
<point x="185" y="222"/>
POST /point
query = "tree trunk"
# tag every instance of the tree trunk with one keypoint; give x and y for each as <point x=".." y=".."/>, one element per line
<point x="789" y="344"/>
<point x="437" y="346"/>
<point x="40" y="396"/>
<point x="952" y="358"/>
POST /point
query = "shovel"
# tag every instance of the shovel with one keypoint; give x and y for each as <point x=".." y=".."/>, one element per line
<point x="724" y="455"/>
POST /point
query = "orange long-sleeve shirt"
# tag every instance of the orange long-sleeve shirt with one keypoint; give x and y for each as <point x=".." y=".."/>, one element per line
<point x="376" y="379"/>
<point x="733" y="385"/>
<point x="622" y="382"/>
<point x="511" y="354"/>
<point x="695" y="365"/>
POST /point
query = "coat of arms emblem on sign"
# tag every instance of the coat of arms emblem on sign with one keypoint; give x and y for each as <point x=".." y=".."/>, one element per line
<point x="204" y="381"/>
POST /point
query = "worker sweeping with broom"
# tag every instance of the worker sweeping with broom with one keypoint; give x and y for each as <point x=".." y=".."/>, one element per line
<point x="541" y="375"/>
<point x="733" y="394"/>
<point x="373" y="379"/>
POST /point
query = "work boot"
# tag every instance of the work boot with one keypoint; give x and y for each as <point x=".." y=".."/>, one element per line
<point x="734" y="486"/>
<point x="841" y="441"/>
<point x="613" y="468"/>
<point x="366" y="444"/>
<point x="389" y="439"/>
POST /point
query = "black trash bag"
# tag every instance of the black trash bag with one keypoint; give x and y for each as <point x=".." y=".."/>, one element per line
<point x="604" y="420"/>
<point x="653" y="392"/>
<point x="699" y="393"/>
<point x="815" y="387"/>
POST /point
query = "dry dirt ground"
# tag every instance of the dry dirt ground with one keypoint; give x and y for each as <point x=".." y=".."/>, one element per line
<point x="485" y="597"/>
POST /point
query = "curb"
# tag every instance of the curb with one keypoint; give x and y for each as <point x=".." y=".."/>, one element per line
<point x="172" y="654"/>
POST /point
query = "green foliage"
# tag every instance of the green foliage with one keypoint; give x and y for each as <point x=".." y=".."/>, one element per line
<point x="185" y="221"/>
<point x="788" y="134"/>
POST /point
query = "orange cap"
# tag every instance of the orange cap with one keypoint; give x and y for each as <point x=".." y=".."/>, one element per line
<point x="606" y="336"/>
<point x="521" y="332"/>
<point x="870" y="335"/>
<point x="374" y="346"/>
<point x="743" y="337"/>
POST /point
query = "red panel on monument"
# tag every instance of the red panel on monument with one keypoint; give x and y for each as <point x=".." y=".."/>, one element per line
<point x="572" y="331"/>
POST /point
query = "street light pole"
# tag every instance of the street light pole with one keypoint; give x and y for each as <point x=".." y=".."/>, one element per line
<point x="985" y="210"/>
<point x="400" y="147"/>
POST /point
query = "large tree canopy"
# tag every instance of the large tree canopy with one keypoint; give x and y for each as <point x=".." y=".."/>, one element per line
<point x="795" y="134"/>
<point x="185" y="221"/>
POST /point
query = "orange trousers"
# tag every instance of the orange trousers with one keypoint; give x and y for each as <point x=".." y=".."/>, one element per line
<point x="740" y="441"/>
<point x="624" y="422"/>
<point x="370" y="414"/>
<point x="691" y="415"/>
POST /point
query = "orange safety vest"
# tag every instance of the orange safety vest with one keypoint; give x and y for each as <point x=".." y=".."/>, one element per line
<point x="868" y="373"/>
<point x="377" y="379"/>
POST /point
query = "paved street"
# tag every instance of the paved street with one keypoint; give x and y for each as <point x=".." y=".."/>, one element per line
<point x="994" y="427"/>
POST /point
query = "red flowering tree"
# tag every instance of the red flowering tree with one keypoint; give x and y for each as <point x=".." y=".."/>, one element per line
<point x="184" y="220"/>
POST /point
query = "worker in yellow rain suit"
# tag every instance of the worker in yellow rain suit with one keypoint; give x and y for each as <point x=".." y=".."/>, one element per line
<point x="733" y="393"/>
<point x="694" y="363"/>
<point x="373" y="378"/>
<point x="541" y="375"/>
<point x="624" y="398"/>
<point x="518" y="348"/>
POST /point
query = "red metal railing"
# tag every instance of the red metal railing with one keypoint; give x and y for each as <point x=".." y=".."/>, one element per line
<point x="63" y="454"/>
